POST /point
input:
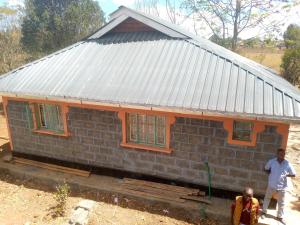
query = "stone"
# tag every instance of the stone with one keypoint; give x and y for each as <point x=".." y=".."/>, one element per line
<point x="86" y="204"/>
<point x="79" y="217"/>
<point x="80" y="214"/>
<point x="7" y="157"/>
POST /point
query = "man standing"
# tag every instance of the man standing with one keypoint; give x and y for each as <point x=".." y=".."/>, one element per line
<point x="279" y="169"/>
<point x="244" y="211"/>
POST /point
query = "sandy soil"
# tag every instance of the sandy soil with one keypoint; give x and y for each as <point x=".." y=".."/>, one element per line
<point x="116" y="215"/>
<point x="293" y="155"/>
<point x="24" y="202"/>
<point x="293" y="196"/>
<point x="22" y="205"/>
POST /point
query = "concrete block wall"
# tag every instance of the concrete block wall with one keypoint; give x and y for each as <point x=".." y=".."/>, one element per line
<point x="96" y="136"/>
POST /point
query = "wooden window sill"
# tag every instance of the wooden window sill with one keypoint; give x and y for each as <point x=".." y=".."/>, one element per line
<point x="146" y="147"/>
<point x="245" y="143"/>
<point x="48" y="132"/>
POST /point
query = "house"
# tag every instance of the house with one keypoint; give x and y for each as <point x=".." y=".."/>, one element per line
<point x="143" y="96"/>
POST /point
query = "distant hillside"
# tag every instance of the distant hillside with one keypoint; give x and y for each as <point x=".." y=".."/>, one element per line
<point x="265" y="56"/>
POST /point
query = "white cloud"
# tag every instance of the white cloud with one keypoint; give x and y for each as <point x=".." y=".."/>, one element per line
<point x="123" y="2"/>
<point x="281" y="20"/>
<point x="12" y="3"/>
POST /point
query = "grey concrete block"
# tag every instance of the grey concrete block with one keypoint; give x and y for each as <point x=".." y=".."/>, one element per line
<point x="96" y="137"/>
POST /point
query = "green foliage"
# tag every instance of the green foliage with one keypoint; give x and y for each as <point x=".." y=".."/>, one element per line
<point x="226" y="42"/>
<point x="291" y="65"/>
<point x="11" y="54"/>
<point x="269" y="42"/>
<point x="292" y="36"/>
<point x="51" y="25"/>
<point x="252" y="42"/>
<point x="61" y="196"/>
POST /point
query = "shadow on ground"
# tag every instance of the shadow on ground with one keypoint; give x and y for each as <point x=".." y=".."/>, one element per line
<point x="153" y="207"/>
<point x="295" y="205"/>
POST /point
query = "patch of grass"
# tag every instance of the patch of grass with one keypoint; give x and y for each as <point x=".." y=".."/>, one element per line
<point x="271" y="58"/>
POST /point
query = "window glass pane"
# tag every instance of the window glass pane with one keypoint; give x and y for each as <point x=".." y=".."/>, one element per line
<point x="142" y="128"/>
<point x="133" y="131"/>
<point x="151" y="129"/>
<point x="146" y="129"/>
<point x="59" y="118"/>
<point x="42" y="115"/>
<point x="242" y="131"/>
<point x="161" y="130"/>
<point x="243" y="125"/>
<point x="50" y="117"/>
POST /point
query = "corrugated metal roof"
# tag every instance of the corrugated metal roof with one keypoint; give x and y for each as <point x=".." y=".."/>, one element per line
<point x="153" y="69"/>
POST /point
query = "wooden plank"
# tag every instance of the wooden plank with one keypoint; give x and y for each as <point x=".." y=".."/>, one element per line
<point x="196" y="199"/>
<point x="52" y="167"/>
<point x="150" y="190"/>
<point x="167" y="187"/>
<point x="55" y="167"/>
<point x="160" y="186"/>
<point x="144" y="194"/>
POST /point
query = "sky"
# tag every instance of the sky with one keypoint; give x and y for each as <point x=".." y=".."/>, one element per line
<point x="108" y="6"/>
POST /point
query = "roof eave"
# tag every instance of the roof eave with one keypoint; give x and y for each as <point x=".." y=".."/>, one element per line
<point x="175" y="110"/>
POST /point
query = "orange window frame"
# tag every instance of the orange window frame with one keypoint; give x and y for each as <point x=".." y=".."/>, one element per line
<point x="169" y="121"/>
<point x="64" y="112"/>
<point x="257" y="128"/>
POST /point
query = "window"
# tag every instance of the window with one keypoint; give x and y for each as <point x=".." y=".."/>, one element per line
<point x="49" y="117"/>
<point x="242" y="131"/>
<point x="146" y="129"/>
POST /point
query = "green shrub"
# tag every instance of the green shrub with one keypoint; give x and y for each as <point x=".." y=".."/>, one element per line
<point x="291" y="65"/>
<point x="61" y="196"/>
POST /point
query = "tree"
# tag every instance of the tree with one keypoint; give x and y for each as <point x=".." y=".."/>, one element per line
<point x="292" y="36"/>
<point x="291" y="65"/>
<point x="147" y="6"/>
<point x="252" y="42"/>
<point x="223" y="42"/>
<point x="291" y="58"/>
<point x="230" y="16"/>
<point x="51" y="25"/>
<point x="11" y="54"/>
<point x="157" y="8"/>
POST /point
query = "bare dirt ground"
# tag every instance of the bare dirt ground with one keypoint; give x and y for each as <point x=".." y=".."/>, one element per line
<point x="25" y="202"/>
<point x="31" y="206"/>
<point x="116" y="215"/>
<point x="293" y="155"/>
